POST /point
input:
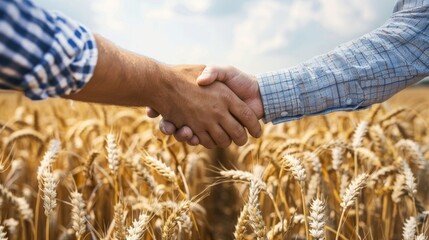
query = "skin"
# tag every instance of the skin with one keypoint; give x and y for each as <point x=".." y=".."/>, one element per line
<point x="214" y="113"/>
<point x="245" y="86"/>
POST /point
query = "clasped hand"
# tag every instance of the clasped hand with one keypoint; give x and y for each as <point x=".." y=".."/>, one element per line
<point x="217" y="110"/>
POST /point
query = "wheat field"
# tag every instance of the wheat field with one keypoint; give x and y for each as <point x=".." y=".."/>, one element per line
<point x="71" y="170"/>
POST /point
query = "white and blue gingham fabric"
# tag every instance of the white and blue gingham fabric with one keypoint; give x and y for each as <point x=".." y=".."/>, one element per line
<point x="355" y="75"/>
<point x="43" y="54"/>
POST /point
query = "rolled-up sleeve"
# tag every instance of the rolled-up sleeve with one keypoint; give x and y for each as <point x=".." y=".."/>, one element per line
<point x="42" y="53"/>
<point x="357" y="74"/>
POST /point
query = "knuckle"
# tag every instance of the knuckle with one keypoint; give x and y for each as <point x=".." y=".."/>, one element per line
<point x="222" y="139"/>
<point x="238" y="132"/>
<point x="225" y="144"/>
<point x="246" y="114"/>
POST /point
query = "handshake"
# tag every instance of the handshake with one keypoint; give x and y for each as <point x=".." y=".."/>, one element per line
<point x="214" y="109"/>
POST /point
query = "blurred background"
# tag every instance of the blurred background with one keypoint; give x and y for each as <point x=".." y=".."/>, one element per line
<point x="253" y="35"/>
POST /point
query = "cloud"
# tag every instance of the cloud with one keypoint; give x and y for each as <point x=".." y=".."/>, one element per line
<point x="169" y="9"/>
<point x="108" y="14"/>
<point x="346" y="17"/>
<point x="268" y="24"/>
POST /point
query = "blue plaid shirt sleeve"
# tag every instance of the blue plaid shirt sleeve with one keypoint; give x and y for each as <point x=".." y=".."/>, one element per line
<point x="43" y="54"/>
<point x="355" y="75"/>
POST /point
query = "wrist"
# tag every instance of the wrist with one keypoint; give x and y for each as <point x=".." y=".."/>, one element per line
<point x="258" y="104"/>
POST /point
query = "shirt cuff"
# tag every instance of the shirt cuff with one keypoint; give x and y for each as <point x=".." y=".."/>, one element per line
<point x="296" y="92"/>
<point x="69" y="63"/>
<point x="280" y="97"/>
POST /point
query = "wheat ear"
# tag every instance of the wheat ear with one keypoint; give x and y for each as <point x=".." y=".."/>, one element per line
<point x="25" y="212"/>
<point x="135" y="232"/>
<point x="255" y="215"/>
<point x="160" y="168"/>
<point x="337" y="157"/>
<point x="410" y="180"/>
<point x="277" y="229"/>
<point x="240" y="227"/>
<point x="317" y="222"/>
<point x="78" y="214"/>
<point x="350" y="195"/>
<point x="49" y="158"/>
<point x="135" y="164"/>
<point x="411" y="149"/>
<point x="294" y="165"/>
<point x="353" y="190"/>
<point x="421" y="237"/>
<point x="359" y="134"/>
<point x="2" y="233"/>
<point x="174" y="219"/>
<point x="409" y="229"/>
<point x="119" y="216"/>
<point x="112" y="154"/>
<point x="398" y="188"/>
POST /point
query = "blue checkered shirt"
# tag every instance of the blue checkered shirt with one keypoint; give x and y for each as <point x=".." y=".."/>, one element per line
<point x="43" y="54"/>
<point x="355" y="75"/>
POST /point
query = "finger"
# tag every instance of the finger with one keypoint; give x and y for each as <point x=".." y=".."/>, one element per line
<point x="235" y="130"/>
<point x="206" y="140"/>
<point x="166" y="127"/>
<point x="213" y="73"/>
<point x="183" y="134"/>
<point x="220" y="137"/>
<point x="194" y="141"/>
<point x="151" y="112"/>
<point x="246" y="117"/>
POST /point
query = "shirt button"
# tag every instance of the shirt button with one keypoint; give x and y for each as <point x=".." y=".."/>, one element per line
<point x="349" y="101"/>
<point x="283" y="114"/>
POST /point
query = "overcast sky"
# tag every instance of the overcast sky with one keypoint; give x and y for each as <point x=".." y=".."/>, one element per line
<point x="254" y="35"/>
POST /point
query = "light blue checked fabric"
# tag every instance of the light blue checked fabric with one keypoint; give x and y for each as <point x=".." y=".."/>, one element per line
<point x="43" y="54"/>
<point x="355" y="75"/>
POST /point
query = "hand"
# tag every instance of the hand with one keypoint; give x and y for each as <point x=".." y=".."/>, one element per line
<point x="245" y="86"/>
<point x="213" y="112"/>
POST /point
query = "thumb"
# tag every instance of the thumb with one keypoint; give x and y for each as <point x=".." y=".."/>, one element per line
<point x="207" y="77"/>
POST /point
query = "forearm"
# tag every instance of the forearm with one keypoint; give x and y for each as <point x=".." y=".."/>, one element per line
<point x="355" y="75"/>
<point x="124" y="78"/>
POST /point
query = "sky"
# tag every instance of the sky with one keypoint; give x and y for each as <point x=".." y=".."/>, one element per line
<point x="256" y="36"/>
